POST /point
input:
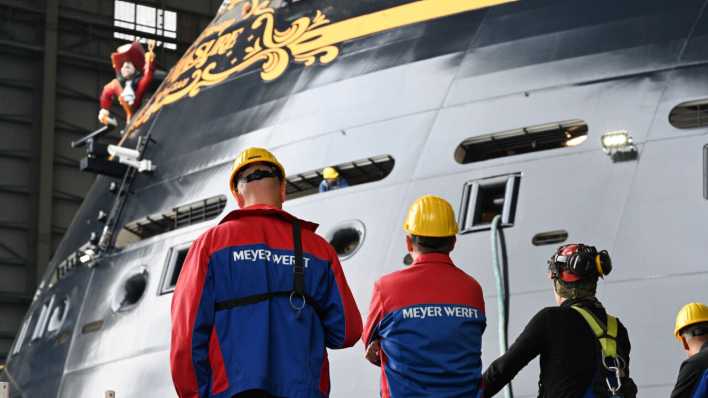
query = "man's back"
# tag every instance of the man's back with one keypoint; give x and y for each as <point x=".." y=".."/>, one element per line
<point x="429" y="319"/>
<point x="263" y="345"/>
<point x="569" y="352"/>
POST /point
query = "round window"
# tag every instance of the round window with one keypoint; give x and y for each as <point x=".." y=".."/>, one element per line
<point x="346" y="238"/>
<point x="131" y="290"/>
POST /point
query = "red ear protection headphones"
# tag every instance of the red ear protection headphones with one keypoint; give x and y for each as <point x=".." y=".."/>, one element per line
<point x="576" y="261"/>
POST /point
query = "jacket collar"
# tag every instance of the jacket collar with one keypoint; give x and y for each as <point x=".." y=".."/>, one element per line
<point x="589" y="302"/>
<point x="432" y="258"/>
<point x="268" y="211"/>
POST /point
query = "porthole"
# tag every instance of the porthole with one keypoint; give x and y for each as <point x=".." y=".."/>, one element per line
<point x="130" y="290"/>
<point x="347" y="238"/>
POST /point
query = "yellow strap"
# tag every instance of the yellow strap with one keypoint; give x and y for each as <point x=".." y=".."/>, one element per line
<point x="609" y="345"/>
<point x="608" y="337"/>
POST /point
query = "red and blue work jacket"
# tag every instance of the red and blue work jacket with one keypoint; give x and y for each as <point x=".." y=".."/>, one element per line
<point x="265" y="345"/>
<point x="429" y="319"/>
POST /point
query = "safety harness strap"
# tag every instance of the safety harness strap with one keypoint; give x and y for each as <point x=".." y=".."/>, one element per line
<point x="247" y="300"/>
<point x="257" y="298"/>
<point x="298" y="292"/>
<point x="607" y="335"/>
<point x="299" y="268"/>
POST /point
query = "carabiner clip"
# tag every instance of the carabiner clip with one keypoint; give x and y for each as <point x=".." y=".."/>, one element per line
<point x="294" y="303"/>
<point x="616" y="370"/>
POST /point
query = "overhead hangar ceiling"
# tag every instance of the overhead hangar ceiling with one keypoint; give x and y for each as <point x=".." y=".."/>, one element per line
<point x="54" y="61"/>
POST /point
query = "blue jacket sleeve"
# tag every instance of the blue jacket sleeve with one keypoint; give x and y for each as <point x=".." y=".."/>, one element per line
<point x="341" y="316"/>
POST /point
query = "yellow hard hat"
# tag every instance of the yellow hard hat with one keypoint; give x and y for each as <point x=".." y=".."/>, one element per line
<point x="249" y="156"/>
<point x="329" y="173"/>
<point x="690" y="314"/>
<point x="431" y="216"/>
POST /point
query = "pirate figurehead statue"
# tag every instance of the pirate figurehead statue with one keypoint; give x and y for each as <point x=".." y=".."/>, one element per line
<point x="134" y="70"/>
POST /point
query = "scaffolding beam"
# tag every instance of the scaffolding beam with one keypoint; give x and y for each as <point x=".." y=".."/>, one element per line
<point x="45" y="186"/>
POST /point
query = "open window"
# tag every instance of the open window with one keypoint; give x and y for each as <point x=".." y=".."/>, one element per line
<point x="484" y="199"/>
<point x="175" y="260"/>
<point x="177" y="217"/>
<point x="523" y="140"/>
<point x="690" y="115"/>
<point x="360" y="171"/>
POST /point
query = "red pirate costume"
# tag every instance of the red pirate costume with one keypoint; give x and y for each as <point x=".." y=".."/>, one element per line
<point x="128" y="89"/>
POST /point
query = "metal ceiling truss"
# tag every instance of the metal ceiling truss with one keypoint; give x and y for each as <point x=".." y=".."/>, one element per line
<point x="18" y="226"/>
<point x="15" y="298"/>
<point x="59" y="160"/>
<point x="23" y="190"/>
<point x="92" y="27"/>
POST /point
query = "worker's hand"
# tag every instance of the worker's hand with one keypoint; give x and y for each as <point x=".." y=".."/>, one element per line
<point x="373" y="353"/>
<point x="150" y="54"/>
<point x="149" y="57"/>
<point x="104" y="116"/>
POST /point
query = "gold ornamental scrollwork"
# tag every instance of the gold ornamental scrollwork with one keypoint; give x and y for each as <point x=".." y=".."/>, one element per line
<point x="215" y="56"/>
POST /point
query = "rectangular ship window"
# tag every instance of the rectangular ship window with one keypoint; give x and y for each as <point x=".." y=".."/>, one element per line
<point x="486" y="198"/>
<point x="690" y="115"/>
<point x="524" y="140"/>
<point x="705" y="171"/>
<point x="360" y="171"/>
<point x="175" y="218"/>
<point x="175" y="260"/>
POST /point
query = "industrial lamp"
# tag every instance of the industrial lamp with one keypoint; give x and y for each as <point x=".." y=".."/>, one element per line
<point x="619" y="146"/>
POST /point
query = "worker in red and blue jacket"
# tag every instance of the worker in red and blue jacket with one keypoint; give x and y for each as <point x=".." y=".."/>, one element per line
<point x="425" y="322"/>
<point x="692" y="331"/>
<point x="259" y="299"/>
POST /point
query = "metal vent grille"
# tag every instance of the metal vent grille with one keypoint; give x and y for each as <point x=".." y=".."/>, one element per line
<point x="523" y="140"/>
<point x="178" y="217"/>
<point x="357" y="172"/>
<point x="690" y="115"/>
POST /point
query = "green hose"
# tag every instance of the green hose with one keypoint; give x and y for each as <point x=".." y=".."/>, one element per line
<point x="502" y="294"/>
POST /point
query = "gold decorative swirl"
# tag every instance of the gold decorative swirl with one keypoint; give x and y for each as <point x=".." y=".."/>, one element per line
<point x="306" y="41"/>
